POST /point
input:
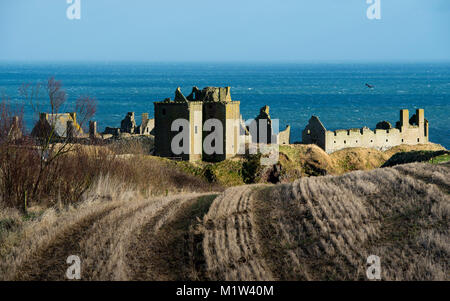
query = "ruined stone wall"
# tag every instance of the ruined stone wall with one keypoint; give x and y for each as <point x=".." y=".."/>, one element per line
<point x="150" y="126"/>
<point x="414" y="131"/>
<point x="284" y="136"/>
<point x="314" y="133"/>
<point x="264" y="128"/>
<point x="379" y="139"/>
<point x="128" y="124"/>
<point x="59" y="123"/>
<point x="382" y="139"/>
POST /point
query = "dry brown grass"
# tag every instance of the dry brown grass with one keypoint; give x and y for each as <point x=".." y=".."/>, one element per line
<point x="324" y="228"/>
<point x="310" y="160"/>
<point x="139" y="145"/>
<point x="23" y="247"/>
<point x="230" y="245"/>
<point x="106" y="231"/>
<point x="317" y="228"/>
<point x="357" y="159"/>
<point x="169" y="246"/>
<point x="299" y="160"/>
<point x="75" y="172"/>
<point x="437" y="174"/>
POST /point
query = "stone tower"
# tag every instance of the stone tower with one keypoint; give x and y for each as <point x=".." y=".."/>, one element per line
<point x="197" y="108"/>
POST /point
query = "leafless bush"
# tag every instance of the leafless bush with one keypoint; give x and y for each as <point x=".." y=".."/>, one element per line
<point x="33" y="169"/>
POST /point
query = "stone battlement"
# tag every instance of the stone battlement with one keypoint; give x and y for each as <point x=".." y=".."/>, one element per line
<point x="407" y="131"/>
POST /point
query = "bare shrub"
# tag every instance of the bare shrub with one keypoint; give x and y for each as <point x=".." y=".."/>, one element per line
<point x="35" y="168"/>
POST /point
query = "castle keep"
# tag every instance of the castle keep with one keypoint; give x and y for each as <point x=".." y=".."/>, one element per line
<point x="197" y="108"/>
<point x="406" y="131"/>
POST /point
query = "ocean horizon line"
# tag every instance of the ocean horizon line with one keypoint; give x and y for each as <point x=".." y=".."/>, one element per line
<point x="231" y="62"/>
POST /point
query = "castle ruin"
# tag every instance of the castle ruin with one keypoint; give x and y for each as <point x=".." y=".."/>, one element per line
<point x="407" y="131"/>
<point x="188" y="119"/>
<point x="199" y="106"/>
<point x="60" y="125"/>
<point x="129" y="126"/>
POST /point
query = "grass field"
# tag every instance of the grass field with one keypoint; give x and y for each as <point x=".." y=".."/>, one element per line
<point x="316" y="228"/>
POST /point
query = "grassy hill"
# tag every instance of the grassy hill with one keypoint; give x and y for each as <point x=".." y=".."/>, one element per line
<point x="305" y="160"/>
<point x="324" y="228"/>
<point x="299" y="160"/>
<point x="316" y="228"/>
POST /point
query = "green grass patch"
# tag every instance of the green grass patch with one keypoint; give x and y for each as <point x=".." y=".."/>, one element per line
<point x="226" y="173"/>
<point x="440" y="159"/>
<point x="418" y="156"/>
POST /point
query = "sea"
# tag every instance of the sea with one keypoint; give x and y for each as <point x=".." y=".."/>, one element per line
<point x="336" y="92"/>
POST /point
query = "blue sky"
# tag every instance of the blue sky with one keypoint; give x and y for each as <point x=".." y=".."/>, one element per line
<point x="232" y="30"/>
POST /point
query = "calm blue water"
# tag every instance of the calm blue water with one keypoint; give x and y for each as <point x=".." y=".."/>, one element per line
<point x="294" y="92"/>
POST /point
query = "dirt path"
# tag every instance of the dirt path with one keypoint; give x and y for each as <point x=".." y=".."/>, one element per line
<point x="230" y="245"/>
<point x="140" y="260"/>
<point x="49" y="262"/>
<point x="104" y="239"/>
<point x="104" y="247"/>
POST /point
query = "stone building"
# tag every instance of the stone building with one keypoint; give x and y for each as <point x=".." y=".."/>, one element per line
<point x="128" y="125"/>
<point x="147" y="125"/>
<point x="197" y="108"/>
<point x="265" y="132"/>
<point x="61" y="125"/>
<point x="407" y="131"/>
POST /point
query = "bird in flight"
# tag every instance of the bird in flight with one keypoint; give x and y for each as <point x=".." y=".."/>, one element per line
<point x="369" y="86"/>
